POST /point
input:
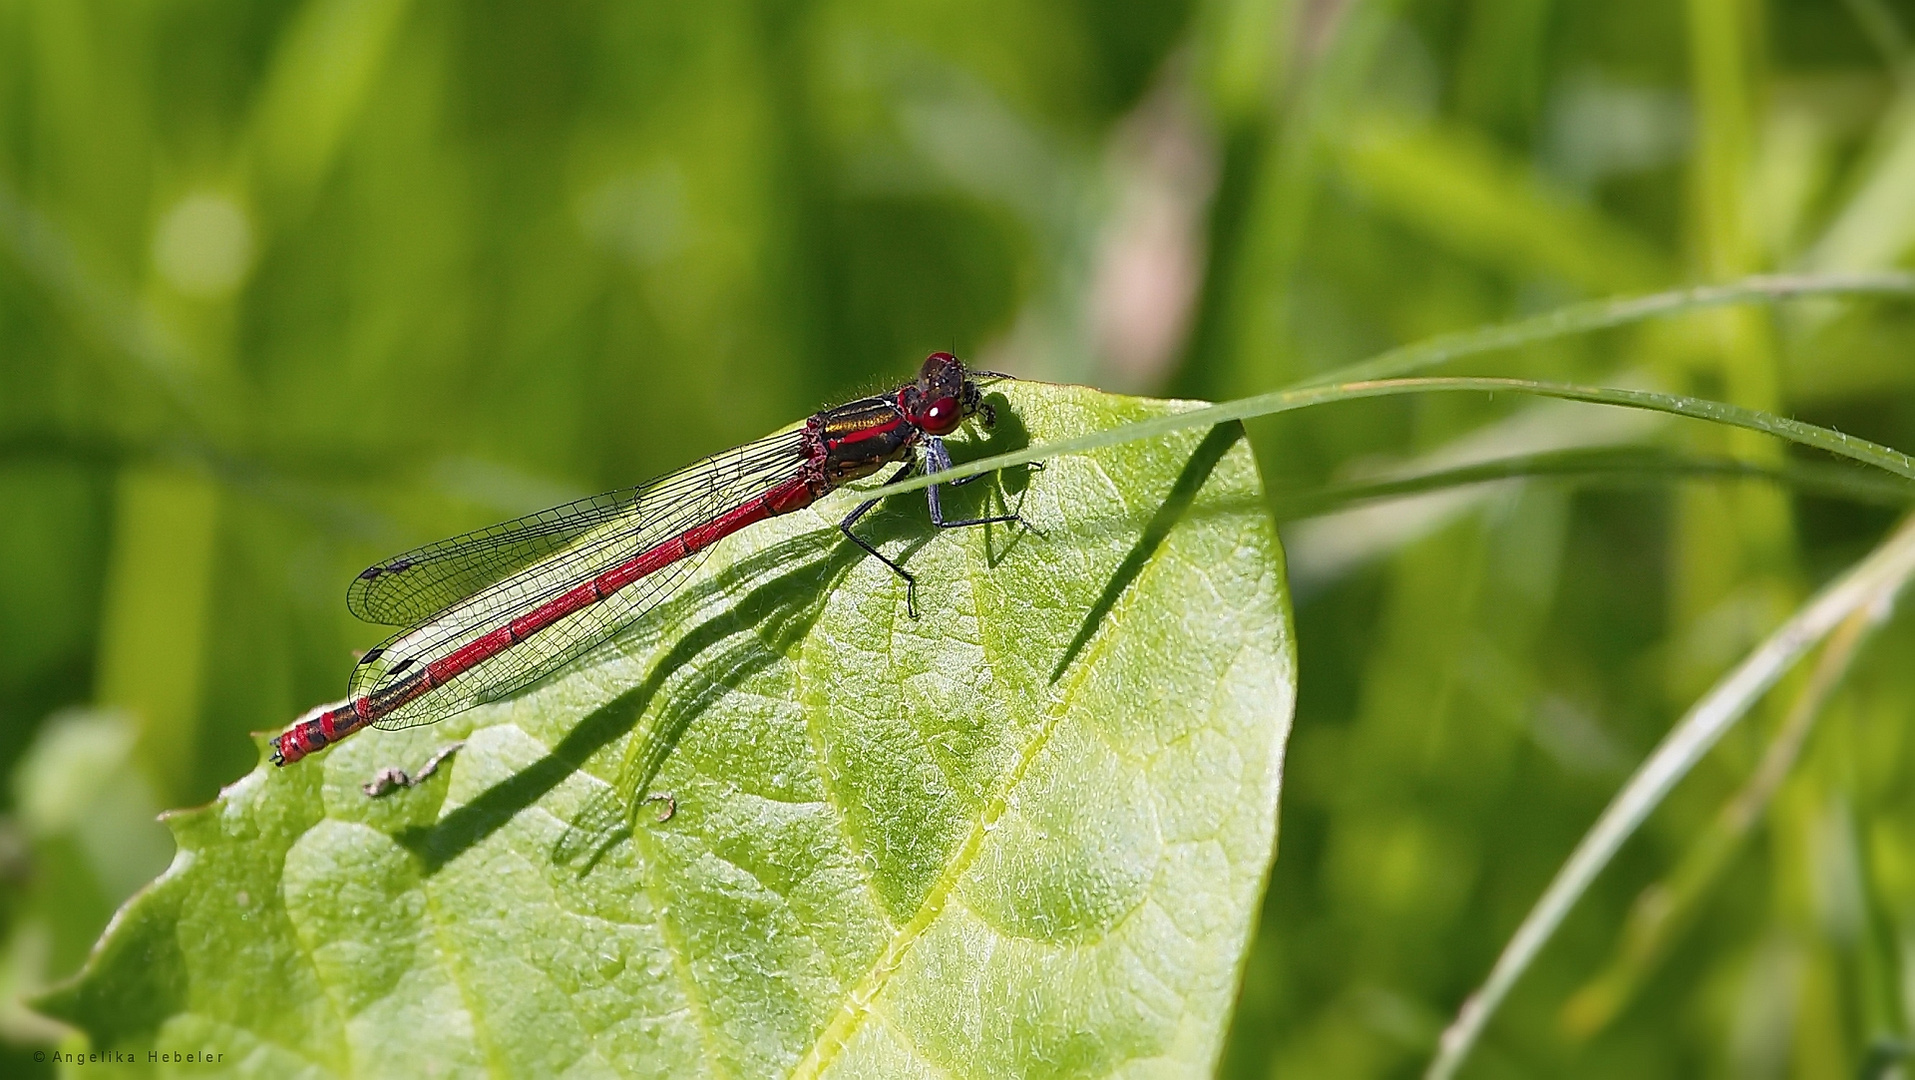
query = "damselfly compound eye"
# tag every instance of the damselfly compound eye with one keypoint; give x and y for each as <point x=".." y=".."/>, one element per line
<point x="938" y="366"/>
<point x="942" y="416"/>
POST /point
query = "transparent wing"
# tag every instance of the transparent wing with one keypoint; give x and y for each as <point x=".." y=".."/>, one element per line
<point x="413" y="586"/>
<point x="627" y="524"/>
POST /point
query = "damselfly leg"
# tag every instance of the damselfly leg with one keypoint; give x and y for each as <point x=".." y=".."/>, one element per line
<point x="937" y="459"/>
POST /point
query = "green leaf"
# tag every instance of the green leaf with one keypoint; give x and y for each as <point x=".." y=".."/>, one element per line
<point x="1024" y="834"/>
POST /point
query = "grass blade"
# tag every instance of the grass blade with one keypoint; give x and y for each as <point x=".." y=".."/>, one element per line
<point x="1873" y="581"/>
<point x="1376" y="377"/>
<point x="1281" y="401"/>
<point x="1596" y="315"/>
<point x="1669" y="907"/>
<point x="1632" y="466"/>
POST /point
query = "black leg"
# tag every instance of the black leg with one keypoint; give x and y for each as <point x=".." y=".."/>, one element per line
<point x="938" y="459"/>
<point x="910" y="583"/>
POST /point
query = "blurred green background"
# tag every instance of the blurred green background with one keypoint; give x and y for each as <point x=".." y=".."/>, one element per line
<point x="287" y="286"/>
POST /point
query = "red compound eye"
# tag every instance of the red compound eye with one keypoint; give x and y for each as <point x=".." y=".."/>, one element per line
<point x="941" y="417"/>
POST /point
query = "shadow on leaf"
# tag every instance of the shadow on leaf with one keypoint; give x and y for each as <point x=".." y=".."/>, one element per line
<point x="770" y="618"/>
<point x="741" y="640"/>
<point x="1176" y="504"/>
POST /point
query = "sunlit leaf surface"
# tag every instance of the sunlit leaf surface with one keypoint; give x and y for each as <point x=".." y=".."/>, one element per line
<point x="1023" y="834"/>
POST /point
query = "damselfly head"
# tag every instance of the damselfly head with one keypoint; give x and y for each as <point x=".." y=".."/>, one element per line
<point x="943" y="396"/>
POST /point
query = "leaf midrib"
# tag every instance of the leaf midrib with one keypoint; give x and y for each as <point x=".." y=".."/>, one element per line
<point x="836" y="1034"/>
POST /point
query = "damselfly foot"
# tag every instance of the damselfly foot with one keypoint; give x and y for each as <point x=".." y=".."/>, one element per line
<point x="936" y="459"/>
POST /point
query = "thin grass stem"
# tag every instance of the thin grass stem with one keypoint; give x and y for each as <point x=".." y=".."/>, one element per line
<point x="1281" y="401"/>
<point x="1871" y="583"/>
<point x="1378" y="376"/>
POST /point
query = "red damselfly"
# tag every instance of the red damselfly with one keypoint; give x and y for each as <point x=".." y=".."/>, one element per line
<point x="495" y="610"/>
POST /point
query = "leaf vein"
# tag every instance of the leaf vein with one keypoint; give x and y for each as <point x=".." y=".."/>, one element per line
<point x="454" y="976"/>
<point x="859" y="1002"/>
<point x="827" y="779"/>
<point x="680" y="951"/>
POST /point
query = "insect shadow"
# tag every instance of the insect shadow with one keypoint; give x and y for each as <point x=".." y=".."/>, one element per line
<point x="744" y="638"/>
<point x="728" y="648"/>
<point x="611" y="816"/>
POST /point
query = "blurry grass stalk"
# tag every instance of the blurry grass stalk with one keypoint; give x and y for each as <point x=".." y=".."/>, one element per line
<point x="322" y="74"/>
<point x="1334" y="47"/>
<point x="1722" y="48"/>
<point x="1592" y="315"/>
<point x="1665" y="910"/>
<point x="1868" y="588"/>
<point x="1728" y="543"/>
<point x="1884" y="33"/>
<point x="1874" y="228"/>
<point x="155" y="625"/>
<point x="1455" y="186"/>
<point x="1615" y="466"/>
<point x="1243" y="51"/>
